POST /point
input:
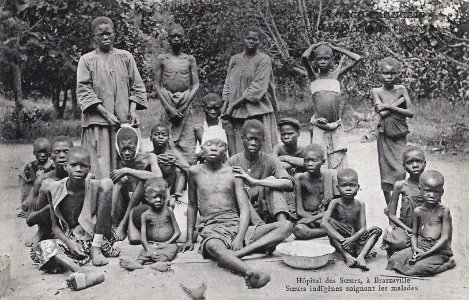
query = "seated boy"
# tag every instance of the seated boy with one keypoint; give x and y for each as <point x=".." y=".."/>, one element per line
<point x="345" y="222"/>
<point x="290" y="154"/>
<point x="38" y="205"/>
<point x="430" y="252"/>
<point x="32" y="170"/>
<point x="226" y="234"/>
<point x="159" y="229"/>
<point x="212" y="104"/>
<point x="314" y="190"/>
<point x="398" y="237"/>
<point x="80" y="210"/>
<point x="172" y="163"/>
<point x="265" y="178"/>
<point x="128" y="181"/>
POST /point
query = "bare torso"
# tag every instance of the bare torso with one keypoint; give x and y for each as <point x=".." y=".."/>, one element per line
<point x="312" y="192"/>
<point x="327" y="104"/>
<point x="159" y="225"/>
<point x="176" y="73"/>
<point x="430" y="222"/>
<point x="215" y="190"/>
<point x="348" y="213"/>
<point x="390" y="96"/>
<point x="71" y="207"/>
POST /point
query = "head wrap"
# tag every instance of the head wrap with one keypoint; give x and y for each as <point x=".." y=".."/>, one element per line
<point x="214" y="132"/>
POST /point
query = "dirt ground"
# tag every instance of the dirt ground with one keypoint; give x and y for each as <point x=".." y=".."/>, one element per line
<point x="190" y="269"/>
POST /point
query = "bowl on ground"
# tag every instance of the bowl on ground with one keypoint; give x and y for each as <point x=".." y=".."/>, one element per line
<point x="305" y="254"/>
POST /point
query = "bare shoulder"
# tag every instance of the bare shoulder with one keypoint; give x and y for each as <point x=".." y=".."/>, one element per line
<point x="359" y="203"/>
<point x="191" y="58"/>
<point x="445" y="210"/>
<point x="399" y="184"/>
<point x="377" y="90"/>
<point x="401" y="87"/>
<point x="299" y="176"/>
<point x="194" y="170"/>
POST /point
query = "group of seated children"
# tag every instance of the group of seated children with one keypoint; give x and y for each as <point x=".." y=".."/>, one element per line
<point x="247" y="204"/>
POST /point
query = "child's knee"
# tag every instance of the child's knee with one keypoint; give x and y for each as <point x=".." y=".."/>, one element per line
<point x="299" y="231"/>
<point x="286" y="227"/>
<point x="106" y="184"/>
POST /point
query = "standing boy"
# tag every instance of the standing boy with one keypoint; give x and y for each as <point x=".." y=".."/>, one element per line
<point x="226" y="234"/>
<point x="176" y="84"/>
<point x="345" y="222"/>
<point x="110" y="91"/>
<point x="430" y="252"/>
<point x="265" y="178"/>
<point x="315" y="189"/>
<point x="327" y="101"/>
<point x="392" y="103"/>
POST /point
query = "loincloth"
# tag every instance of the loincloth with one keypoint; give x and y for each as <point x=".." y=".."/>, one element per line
<point x="44" y="252"/>
<point x="396" y="239"/>
<point x="159" y="252"/>
<point x="223" y="226"/>
<point x="432" y="265"/>
<point x="347" y="231"/>
<point x="333" y="143"/>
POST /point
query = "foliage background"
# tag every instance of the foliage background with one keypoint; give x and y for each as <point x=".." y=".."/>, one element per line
<point x="44" y="40"/>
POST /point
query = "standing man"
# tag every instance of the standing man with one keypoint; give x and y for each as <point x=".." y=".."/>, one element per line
<point x="176" y="84"/>
<point x="110" y="91"/>
<point x="249" y="93"/>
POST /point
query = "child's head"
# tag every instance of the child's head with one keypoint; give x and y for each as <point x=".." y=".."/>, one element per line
<point x="431" y="185"/>
<point x="78" y="163"/>
<point x="175" y="35"/>
<point x="323" y="56"/>
<point x="253" y="135"/>
<point x="41" y="149"/>
<point x="289" y="130"/>
<point x="347" y="183"/>
<point x="127" y="142"/>
<point x="212" y="106"/>
<point x="389" y="68"/>
<point x="60" y="149"/>
<point x="414" y="160"/>
<point x="214" y="144"/>
<point x="102" y="29"/>
<point x="156" y="192"/>
<point x="314" y="158"/>
<point x="252" y="38"/>
<point x="159" y="135"/>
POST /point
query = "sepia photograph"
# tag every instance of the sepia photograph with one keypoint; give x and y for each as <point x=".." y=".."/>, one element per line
<point x="234" y="149"/>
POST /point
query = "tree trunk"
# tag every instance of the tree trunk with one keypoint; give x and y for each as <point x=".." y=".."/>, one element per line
<point x="18" y="92"/>
<point x="76" y="112"/>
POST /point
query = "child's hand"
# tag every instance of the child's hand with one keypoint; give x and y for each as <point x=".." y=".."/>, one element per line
<point x="118" y="174"/>
<point x="187" y="246"/>
<point x="346" y="243"/>
<point x="237" y="244"/>
<point x="240" y="173"/>
<point x="381" y="106"/>
<point x="322" y="121"/>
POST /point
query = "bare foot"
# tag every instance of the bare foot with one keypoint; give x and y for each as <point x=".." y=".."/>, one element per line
<point x="120" y="233"/>
<point x="162" y="267"/>
<point x="80" y="281"/>
<point x="350" y="261"/>
<point x="255" y="280"/>
<point x="129" y="265"/>
<point x="97" y="257"/>
<point x="361" y="263"/>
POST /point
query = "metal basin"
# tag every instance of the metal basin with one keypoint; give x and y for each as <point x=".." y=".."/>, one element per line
<point x="305" y="254"/>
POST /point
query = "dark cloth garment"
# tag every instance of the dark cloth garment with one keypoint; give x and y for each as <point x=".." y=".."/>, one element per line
<point x="390" y="152"/>
<point x="429" y="266"/>
<point x="158" y="253"/>
<point x="223" y="226"/>
<point x="267" y="202"/>
<point x="347" y="230"/>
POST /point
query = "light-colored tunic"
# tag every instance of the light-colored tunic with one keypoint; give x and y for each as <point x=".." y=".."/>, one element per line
<point x="112" y="80"/>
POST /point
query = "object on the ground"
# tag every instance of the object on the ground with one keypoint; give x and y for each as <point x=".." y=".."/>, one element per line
<point x="5" y="274"/>
<point x="162" y="267"/>
<point x="312" y="254"/>
<point x="80" y="281"/>
<point x="197" y="293"/>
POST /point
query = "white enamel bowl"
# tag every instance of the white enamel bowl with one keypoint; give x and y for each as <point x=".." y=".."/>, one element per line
<point x="313" y="254"/>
